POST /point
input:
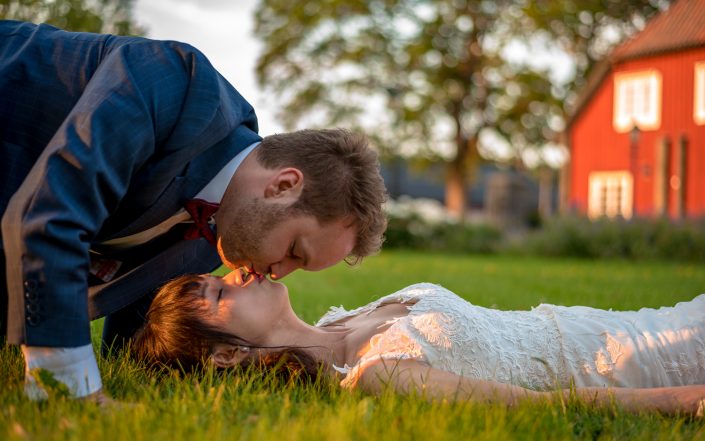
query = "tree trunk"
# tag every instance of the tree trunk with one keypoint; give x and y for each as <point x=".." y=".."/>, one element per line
<point x="455" y="191"/>
<point x="458" y="175"/>
<point x="545" y="192"/>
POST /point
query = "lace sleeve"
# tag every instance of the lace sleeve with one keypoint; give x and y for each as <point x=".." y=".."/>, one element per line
<point x="408" y="295"/>
<point x="393" y="344"/>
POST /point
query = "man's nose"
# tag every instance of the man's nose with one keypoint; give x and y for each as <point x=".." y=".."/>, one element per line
<point x="284" y="268"/>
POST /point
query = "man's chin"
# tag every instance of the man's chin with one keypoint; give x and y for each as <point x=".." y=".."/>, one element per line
<point x="231" y="266"/>
<point x="228" y="260"/>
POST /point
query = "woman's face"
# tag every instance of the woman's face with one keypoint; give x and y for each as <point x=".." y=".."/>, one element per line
<point x="252" y="310"/>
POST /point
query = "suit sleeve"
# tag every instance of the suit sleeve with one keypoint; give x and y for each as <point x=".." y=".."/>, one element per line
<point x="138" y="98"/>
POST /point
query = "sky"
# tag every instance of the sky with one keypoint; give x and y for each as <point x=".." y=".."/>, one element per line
<point x="222" y="30"/>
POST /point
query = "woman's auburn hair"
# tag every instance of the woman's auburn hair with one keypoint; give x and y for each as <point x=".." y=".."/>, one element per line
<point x="176" y="335"/>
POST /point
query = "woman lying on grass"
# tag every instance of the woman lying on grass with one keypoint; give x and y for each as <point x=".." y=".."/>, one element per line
<point x="426" y="339"/>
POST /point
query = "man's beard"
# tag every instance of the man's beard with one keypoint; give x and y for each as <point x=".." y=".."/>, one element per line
<point x="243" y="240"/>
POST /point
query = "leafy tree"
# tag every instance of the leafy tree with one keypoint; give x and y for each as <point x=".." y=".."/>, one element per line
<point x="103" y="16"/>
<point x="585" y="29"/>
<point x="433" y="78"/>
<point x="422" y="77"/>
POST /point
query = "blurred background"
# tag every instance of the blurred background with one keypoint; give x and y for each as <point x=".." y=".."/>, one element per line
<point x="572" y="127"/>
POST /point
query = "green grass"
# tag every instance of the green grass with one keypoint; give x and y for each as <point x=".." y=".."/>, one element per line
<point x="228" y="407"/>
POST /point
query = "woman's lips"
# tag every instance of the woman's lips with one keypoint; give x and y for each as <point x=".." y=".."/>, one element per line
<point x="251" y="270"/>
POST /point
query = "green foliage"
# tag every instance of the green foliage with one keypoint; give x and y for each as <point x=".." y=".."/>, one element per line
<point x="214" y="406"/>
<point x="412" y="232"/>
<point x="102" y="16"/>
<point x="635" y="239"/>
<point x="586" y="29"/>
<point x="567" y="236"/>
<point x="419" y="77"/>
<point x="427" y="62"/>
<point x="45" y="379"/>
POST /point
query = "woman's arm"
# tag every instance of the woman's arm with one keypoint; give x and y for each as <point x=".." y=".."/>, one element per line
<point x="668" y="400"/>
<point x="410" y="376"/>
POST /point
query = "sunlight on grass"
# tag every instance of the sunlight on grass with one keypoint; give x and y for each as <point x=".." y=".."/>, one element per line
<point x="214" y="406"/>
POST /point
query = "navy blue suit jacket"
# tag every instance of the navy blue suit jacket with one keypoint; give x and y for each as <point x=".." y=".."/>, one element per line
<point x="100" y="137"/>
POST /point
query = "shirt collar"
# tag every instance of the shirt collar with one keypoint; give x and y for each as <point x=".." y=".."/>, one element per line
<point x="214" y="191"/>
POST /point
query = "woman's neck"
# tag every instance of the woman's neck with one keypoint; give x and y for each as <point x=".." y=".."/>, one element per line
<point x="328" y="345"/>
<point x="343" y="342"/>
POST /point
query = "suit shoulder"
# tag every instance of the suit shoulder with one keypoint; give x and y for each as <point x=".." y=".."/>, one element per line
<point x="160" y="49"/>
<point x="165" y="58"/>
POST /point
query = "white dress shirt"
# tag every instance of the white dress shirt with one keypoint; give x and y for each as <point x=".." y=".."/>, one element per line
<point x="77" y="367"/>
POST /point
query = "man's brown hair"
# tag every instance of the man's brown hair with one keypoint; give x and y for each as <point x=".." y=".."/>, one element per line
<point x="341" y="179"/>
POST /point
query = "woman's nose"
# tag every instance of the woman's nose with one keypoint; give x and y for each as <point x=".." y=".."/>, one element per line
<point x="234" y="277"/>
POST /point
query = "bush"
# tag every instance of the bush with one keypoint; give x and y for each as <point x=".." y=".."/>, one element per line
<point x="604" y="238"/>
<point x="424" y="224"/>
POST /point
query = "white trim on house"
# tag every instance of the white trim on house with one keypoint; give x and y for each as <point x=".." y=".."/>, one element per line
<point x="699" y="93"/>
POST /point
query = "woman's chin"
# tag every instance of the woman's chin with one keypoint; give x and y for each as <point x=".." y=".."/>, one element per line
<point x="276" y="288"/>
<point x="281" y="290"/>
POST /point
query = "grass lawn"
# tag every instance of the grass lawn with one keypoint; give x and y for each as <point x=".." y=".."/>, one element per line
<point x="227" y="407"/>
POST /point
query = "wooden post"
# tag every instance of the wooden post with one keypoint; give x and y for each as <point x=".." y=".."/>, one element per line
<point x="545" y="191"/>
<point x="663" y="155"/>
<point x="634" y="164"/>
<point x="678" y="181"/>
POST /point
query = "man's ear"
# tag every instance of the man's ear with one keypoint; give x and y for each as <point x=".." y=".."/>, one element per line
<point x="227" y="355"/>
<point x="287" y="183"/>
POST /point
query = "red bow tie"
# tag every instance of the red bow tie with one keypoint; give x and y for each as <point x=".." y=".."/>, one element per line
<point x="200" y="212"/>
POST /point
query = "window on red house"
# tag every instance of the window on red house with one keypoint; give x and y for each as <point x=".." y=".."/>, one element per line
<point x="699" y="94"/>
<point x="637" y="100"/>
<point x="610" y="194"/>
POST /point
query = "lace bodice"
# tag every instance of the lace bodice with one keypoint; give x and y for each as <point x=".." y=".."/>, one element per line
<point x="541" y="349"/>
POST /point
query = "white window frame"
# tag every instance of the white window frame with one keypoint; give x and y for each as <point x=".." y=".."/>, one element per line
<point x="699" y="93"/>
<point x="637" y="100"/>
<point x="610" y="194"/>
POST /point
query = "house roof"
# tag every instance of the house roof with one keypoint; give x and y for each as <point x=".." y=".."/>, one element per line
<point x="681" y="26"/>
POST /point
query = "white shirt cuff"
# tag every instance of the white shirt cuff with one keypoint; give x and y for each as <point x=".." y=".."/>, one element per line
<point x="75" y="367"/>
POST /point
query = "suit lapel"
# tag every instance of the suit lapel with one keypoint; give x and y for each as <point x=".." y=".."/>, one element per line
<point x="168" y="204"/>
<point x="197" y="175"/>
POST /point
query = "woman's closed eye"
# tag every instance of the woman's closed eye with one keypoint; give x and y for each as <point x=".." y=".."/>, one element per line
<point x="220" y="293"/>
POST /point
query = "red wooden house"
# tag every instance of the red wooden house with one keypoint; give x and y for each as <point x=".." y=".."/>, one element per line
<point x="637" y="134"/>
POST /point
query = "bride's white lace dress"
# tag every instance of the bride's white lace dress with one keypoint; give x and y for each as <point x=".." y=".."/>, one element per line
<point x="547" y="347"/>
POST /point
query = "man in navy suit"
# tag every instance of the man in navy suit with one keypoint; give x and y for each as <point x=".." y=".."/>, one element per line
<point x="126" y="162"/>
